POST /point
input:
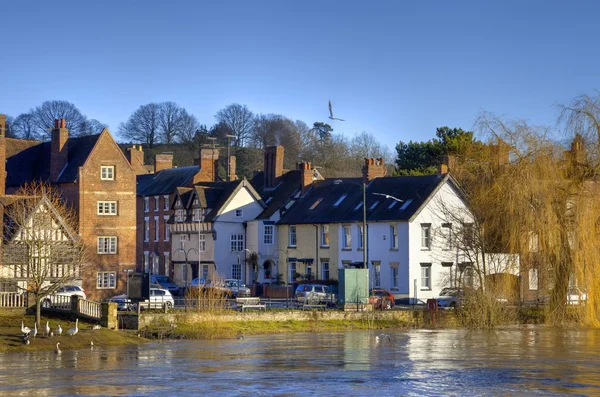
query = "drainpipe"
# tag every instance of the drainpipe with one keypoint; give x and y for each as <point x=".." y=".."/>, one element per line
<point x="317" y="248"/>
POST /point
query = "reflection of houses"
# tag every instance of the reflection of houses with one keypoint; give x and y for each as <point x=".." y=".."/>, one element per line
<point x="208" y="230"/>
<point x="279" y="189"/>
<point x="403" y="216"/>
<point x="94" y="177"/>
<point x="38" y="245"/>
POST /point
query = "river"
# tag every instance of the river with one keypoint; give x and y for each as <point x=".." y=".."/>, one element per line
<point x="521" y="361"/>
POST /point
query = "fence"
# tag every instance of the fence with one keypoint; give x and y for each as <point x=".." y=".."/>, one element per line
<point x="13" y="299"/>
<point x="90" y="309"/>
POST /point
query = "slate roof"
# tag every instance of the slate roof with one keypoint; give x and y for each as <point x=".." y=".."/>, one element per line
<point x="417" y="189"/>
<point x="286" y="186"/>
<point x="28" y="160"/>
<point x="165" y="181"/>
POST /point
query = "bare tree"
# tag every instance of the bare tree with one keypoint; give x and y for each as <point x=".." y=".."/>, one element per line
<point x="42" y="250"/>
<point x="366" y="145"/>
<point x="45" y="114"/>
<point x="92" y="127"/>
<point x="24" y="126"/>
<point x="143" y="125"/>
<point x="10" y="131"/>
<point x="240" y="121"/>
<point x="264" y="131"/>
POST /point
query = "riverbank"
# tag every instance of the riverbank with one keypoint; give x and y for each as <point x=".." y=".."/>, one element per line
<point x="10" y="334"/>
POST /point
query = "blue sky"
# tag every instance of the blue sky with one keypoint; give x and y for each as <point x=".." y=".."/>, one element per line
<point x="398" y="69"/>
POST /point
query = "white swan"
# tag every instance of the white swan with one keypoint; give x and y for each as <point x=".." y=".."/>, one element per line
<point x="92" y="345"/>
<point x="47" y="330"/>
<point x="33" y="332"/>
<point x="57" y="350"/>
<point x="25" y="330"/>
<point x="59" y="330"/>
<point x="73" y="331"/>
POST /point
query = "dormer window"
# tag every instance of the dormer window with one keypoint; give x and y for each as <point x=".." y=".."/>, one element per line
<point x="392" y="205"/>
<point x="179" y="215"/>
<point x="339" y="201"/>
<point x="358" y="206"/>
<point x="406" y="204"/>
<point x="107" y="172"/>
<point x="196" y="201"/>
<point x="178" y="202"/>
<point x="197" y="214"/>
<point x="312" y="207"/>
<point x="372" y="207"/>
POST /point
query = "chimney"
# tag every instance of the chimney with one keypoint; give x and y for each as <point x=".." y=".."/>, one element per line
<point x="209" y="166"/>
<point x="373" y="168"/>
<point x="273" y="165"/>
<point x="163" y="161"/>
<point x="447" y="164"/>
<point x="2" y="154"/>
<point x="59" y="149"/>
<point x="306" y="176"/>
<point x="577" y="150"/>
<point x="135" y="156"/>
<point x="232" y="175"/>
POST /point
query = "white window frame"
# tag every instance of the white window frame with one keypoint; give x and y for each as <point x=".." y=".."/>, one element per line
<point x="446" y="236"/>
<point x="167" y="202"/>
<point x="323" y="234"/>
<point x="167" y="231"/>
<point x="106" y="280"/>
<point x="291" y="271"/>
<point x="179" y="215"/>
<point x="533" y="279"/>
<point x="107" y="172"/>
<point x="107" y="245"/>
<point x="167" y="256"/>
<point x="146" y="204"/>
<point x="156" y="203"/>
<point x="197" y="214"/>
<point x="360" y="237"/>
<point x="105" y="208"/>
<point x="394" y="237"/>
<point x="205" y="271"/>
<point x="325" y="274"/>
<point x="426" y="236"/>
<point x="377" y="276"/>
<point x="292" y="236"/>
<point x="202" y="242"/>
<point x="156" y="228"/>
<point x="146" y="229"/>
<point x="155" y="264"/>
<point x="146" y="261"/>
<point x="268" y="234"/>
<point x="236" y="271"/>
<point x="346" y="236"/>
<point x="394" y="275"/>
<point x="426" y="276"/>
<point x="239" y="213"/>
<point x="236" y="242"/>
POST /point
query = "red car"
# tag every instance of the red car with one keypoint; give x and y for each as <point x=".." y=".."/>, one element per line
<point x="381" y="299"/>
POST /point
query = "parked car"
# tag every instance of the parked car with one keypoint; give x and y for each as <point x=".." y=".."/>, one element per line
<point x="123" y="302"/>
<point x="61" y="294"/>
<point x="381" y="298"/>
<point x="158" y="297"/>
<point x="229" y="287"/>
<point x="164" y="282"/>
<point x="314" y="294"/>
<point x="449" y="297"/>
<point x="234" y="286"/>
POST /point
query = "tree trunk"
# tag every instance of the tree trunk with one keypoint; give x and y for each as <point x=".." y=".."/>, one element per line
<point x="38" y="309"/>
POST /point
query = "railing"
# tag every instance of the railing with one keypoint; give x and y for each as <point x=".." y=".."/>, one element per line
<point x="13" y="299"/>
<point x="59" y="303"/>
<point x="91" y="309"/>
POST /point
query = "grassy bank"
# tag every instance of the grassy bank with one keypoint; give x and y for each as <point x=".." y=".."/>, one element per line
<point x="10" y="332"/>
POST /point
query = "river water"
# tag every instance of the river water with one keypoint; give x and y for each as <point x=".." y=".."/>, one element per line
<point x="521" y="361"/>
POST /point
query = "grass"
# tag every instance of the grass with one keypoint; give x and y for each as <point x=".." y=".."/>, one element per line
<point x="10" y="332"/>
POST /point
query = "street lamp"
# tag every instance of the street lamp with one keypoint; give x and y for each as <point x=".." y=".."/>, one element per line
<point x="185" y="253"/>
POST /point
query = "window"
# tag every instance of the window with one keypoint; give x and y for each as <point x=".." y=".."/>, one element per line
<point x="146" y="204"/>
<point x="239" y="213"/>
<point x="166" y="199"/>
<point x="426" y="276"/>
<point x="268" y="234"/>
<point x="292" y="236"/>
<point x="393" y="237"/>
<point x="237" y="242"/>
<point x="309" y="270"/>
<point x="146" y="229"/>
<point x="197" y="214"/>
<point x="533" y="279"/>
<point x="106" y="280"/>
<point x="167" y="256"/>
<point x="292" y="269"/>
<point x="377" y="268"/>
<point x="107" y="172"/>
<point x="205" y="271"/>
<point x="394" y="268"/>
<point x="406" y="204"/>
<point x="107" y="208"/>
<point x="426" y="235"/>
<point x="325" y="270"/>
<point x="339" y="201"/>
<point x="325" y="235"/>
<point x="392" y="205"/>
<point x="236" y="271"/>
<point x="468" y="235"/>
<point x="347" y="240"/>
<point x="156" y="229"/>
<point x="179" y="215"/>
<point x="448" y="269"/>
<point x="468" y="275"/>
<point x="155" y="264"/>
<point x="202" y="242"/>
<point x="107" y="245"/>
<point x="446" y="236"/>
<point x="358" y="206"/>
<point x="146" y="262"/>
<point x="360" y="237"/>
<point x="312" y="207"/>
<point x="166" y="222"/>
<point x="372" y="207"/>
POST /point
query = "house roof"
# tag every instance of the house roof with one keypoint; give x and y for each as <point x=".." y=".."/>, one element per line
<point x="165" y="181"/>
<point x="285" y="187"/>
<point x="414" y="191"/>
<point x="28" y="160"/>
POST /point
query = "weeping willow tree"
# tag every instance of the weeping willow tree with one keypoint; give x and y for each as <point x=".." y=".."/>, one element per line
<point x="534" y="198"/>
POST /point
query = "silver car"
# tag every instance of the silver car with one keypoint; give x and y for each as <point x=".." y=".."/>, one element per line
<point x="314" y="294"/>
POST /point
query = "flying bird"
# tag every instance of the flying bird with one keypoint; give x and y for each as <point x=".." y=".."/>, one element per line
<point x="331" y="114"/>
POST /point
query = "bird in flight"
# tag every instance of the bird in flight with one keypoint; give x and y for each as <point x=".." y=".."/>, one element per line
<point x="331" y="113"/>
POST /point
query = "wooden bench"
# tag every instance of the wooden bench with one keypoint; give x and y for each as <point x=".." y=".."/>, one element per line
<point x="249" y="303"/>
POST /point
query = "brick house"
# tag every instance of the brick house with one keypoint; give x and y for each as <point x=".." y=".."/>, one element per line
<point x="96" y="178"/>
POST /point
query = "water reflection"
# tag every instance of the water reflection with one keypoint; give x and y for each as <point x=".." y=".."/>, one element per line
<point x="445" y="362"/>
